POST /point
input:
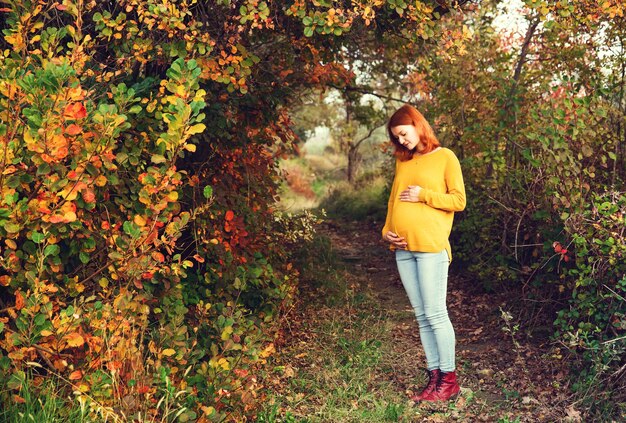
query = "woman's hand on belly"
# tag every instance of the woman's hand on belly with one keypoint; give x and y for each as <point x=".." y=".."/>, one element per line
<point x="395" y="239"/>
<point x="412" y="194"/>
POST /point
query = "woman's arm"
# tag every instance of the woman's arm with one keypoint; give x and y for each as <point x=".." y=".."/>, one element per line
<point x="454" y="198"/>
<point x="390" y="204"/>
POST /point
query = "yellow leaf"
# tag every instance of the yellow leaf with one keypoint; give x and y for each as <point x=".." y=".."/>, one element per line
<point x="69" y="216"/>
<point x="169" y="352"/>
<point x="172" y="196"/>
<point x="269" y="350"/>
<point x="11" y="244"/>
<point x="45" y="332"/>
<point x="74" y="340"/>
<point x="228" y="330"/>
<point x="139" y="220"/>
<point x="196" y="129"/>
<point x="207" y="410"/>
<point x="101" y="181"/>
<point x="190" y="147"/>
<point x="224" y="363"/>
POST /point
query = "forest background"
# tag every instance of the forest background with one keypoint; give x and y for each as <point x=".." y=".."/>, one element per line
<point x="145" y="263"/>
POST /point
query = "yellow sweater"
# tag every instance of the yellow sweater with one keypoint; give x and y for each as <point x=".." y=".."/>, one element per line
<point x="426" y="225"/>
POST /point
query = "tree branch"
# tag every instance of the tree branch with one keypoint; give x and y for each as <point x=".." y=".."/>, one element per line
<point x="530" y="32"/>
<point x="364" y="90"/>
<point x="356" y="145"/>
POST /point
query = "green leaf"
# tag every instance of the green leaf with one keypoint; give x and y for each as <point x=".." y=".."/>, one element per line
<point x="157" y="158"/>
<point x="11" y="227"/>
<point x="51" y="250"/>
<point x="43" y="169"/>
<point x="208" y="191"/>
<point x="131" y="229"/>
<point x="37" y="237"/>
<point x="40" y="319"/>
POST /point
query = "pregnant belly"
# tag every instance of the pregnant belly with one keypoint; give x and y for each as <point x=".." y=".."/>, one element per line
<point x="410" y="218"/>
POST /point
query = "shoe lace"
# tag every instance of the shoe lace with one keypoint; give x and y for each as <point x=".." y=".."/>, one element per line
<point x="439" y="383"/>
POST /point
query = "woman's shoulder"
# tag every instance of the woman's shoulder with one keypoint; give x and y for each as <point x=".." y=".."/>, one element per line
<point x="449" y="153"/>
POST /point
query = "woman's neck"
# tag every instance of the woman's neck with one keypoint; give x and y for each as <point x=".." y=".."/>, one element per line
<point x="425" y="154"/>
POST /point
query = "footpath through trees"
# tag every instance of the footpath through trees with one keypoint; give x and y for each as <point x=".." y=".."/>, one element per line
<point x="350" y="351"/>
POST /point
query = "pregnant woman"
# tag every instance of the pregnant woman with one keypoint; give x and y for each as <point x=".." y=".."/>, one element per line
<point x="427" y="190"/>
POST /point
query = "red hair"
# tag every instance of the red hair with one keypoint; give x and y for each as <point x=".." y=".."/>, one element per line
<point x="409" y="115"/>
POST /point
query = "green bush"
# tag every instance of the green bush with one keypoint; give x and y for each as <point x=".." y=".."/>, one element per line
<point x="365" y="201"/>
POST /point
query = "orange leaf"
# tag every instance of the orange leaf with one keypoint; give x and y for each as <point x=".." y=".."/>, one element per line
<point x="229" y="215"/>
<point x="4" y="280"/>
<point x="74" y="339"/>
<point x="56" y="218"/>
<point x="88" y="195"/>
<point x="158" y="256"/>
<point x="73" y="129"/>
<point x="75" y="375"/>
<point x="19" y="300"/>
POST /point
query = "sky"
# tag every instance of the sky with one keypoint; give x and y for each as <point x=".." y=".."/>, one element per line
<point x="510" y="17"/>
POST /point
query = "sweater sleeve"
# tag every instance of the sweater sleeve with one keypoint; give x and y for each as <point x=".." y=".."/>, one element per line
<point x="454" y="198"/>
<point x="390" y="204"/>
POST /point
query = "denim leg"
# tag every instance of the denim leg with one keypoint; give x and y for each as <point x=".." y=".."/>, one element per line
<point x="425" y="279"/>
<point x="407" y="268"/>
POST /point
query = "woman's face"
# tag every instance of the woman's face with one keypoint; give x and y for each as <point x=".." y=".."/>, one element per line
<point x="408" y="137"/>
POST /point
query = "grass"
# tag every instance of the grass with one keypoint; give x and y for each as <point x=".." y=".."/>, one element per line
<point x="342" y="370"/>
<point x="49" y="403"/>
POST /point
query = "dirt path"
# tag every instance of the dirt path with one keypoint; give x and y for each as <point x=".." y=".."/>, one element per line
<point x="506" y="376"/>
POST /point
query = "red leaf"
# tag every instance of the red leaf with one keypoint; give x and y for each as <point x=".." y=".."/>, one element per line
<point x="229" y="215"/>
<point x="75" y="111"/>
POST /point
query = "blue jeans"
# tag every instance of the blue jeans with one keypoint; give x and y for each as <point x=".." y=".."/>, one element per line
<point x="425" y="279"/>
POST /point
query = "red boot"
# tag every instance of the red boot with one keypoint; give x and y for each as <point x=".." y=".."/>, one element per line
<point x="447" y="388"/>
<point x="433" y="378"/>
